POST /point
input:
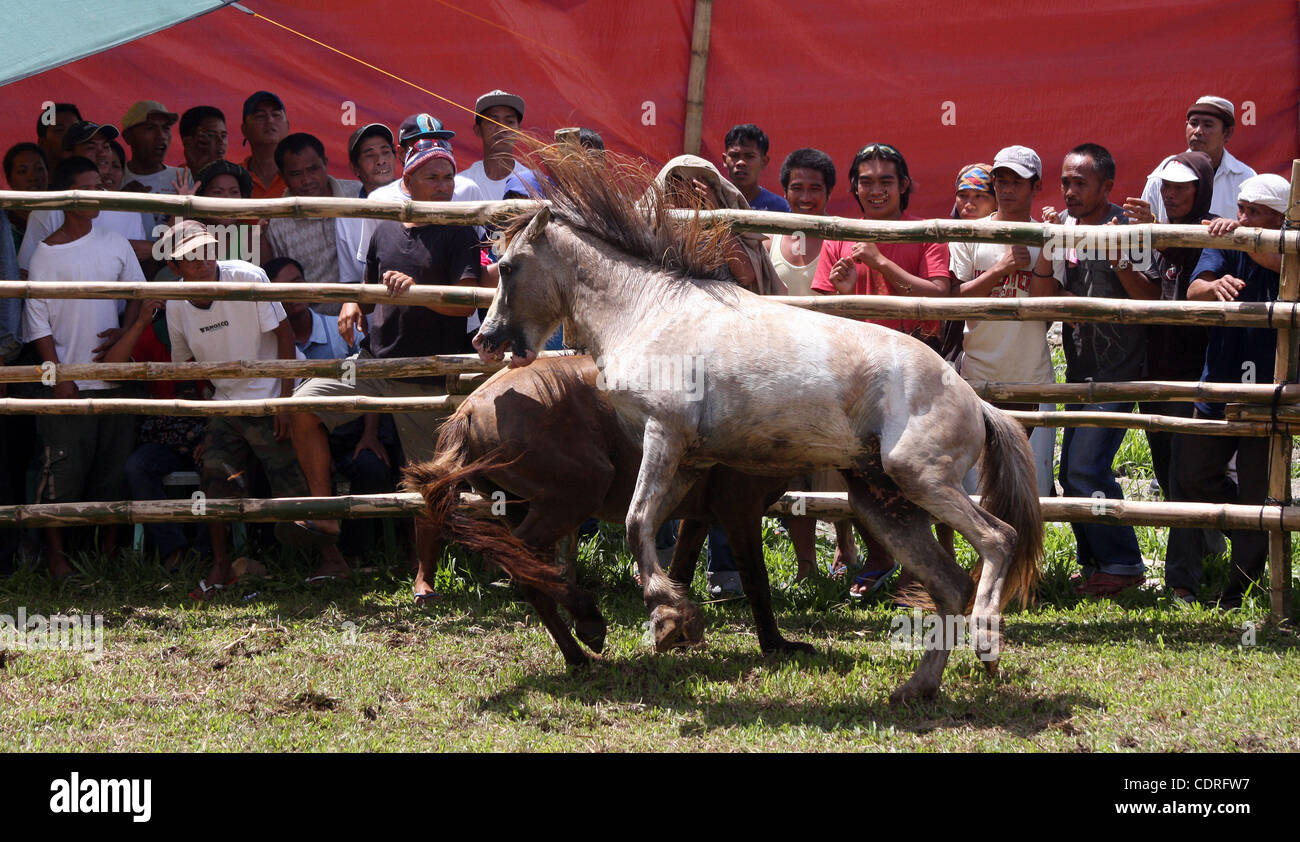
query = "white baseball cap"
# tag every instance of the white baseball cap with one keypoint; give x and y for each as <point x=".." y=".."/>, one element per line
<point x="1177" y="171"/>
<point x="1021" y="160"/>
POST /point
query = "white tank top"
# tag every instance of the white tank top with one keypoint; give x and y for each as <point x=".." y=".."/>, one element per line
<point x="798" y="279"/>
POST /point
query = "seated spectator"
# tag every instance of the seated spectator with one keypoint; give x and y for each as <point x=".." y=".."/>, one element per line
<point x="1011" y="351"/>
<point x="1096" y="351"/>
<point x="49" y="136"/>
<point x="83" y="454"/>
<point x="402" y="254"/>
<point x="364" y="450"/>
<point x="264" y="126"/>
<point x="116" y="172"/>
<point x="1210" y="121"/>
<point x="1201" y="462"/>
<point x="212" y="331"/>
<point x="373" y="157"/>
<point x="313" y="242"/>
<point x="25" y="169"/>
<point x="497" y="116"/>
<point x="204" y="138"/>
<point x="11" y="427"/>
<point x="90" y="141"/>
<point x="238" y="239"/>
<point x="745" y="160"/>
<point x="147" y="129"/>
<point x="584" y="137"/>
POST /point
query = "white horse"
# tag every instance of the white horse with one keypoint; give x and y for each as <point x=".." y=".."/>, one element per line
<point x="784" y="390"/>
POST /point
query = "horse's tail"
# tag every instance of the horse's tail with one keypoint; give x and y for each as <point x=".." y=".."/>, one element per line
<point x="440" y="481"/>
<point x="1009" y="492"/>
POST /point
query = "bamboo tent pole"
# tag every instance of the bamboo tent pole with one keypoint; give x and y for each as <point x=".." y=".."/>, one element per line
<point x="1136" y="238"/>
<point x="269" y="406"/>
<point x="1285" y="370"/>
<point x="826" y="506"/>
<point x="701" y="27"/>
<point x="1069" y="308"/>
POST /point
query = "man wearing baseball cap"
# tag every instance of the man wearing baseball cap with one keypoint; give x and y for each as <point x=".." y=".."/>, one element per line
<point x="422" y="126"/>
<point x="264" y="125"/>
<point x="1201" y="462"/>
<point x="1008" y="352"/>
<point x="1210" y="122"/>
<point x="497" y="116"/>
<point x="147" y="129"/>
<point x="402" y="254"/>
<point x="372" y="156"/>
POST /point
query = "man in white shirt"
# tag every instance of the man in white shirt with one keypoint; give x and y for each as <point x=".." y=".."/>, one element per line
<point x="497" y="116"/>
<point x="91" y="141"/>
<point x="1210" y="122"/>
<point x="84" y="456"/>
<point x="147" y="129"/>
<point x="214" y="331"/>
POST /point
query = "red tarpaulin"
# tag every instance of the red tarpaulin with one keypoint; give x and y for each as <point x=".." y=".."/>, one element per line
<point x="947" y="83"/>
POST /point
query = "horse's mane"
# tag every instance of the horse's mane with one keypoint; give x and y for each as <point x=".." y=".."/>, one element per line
<point x="615" y="198"/>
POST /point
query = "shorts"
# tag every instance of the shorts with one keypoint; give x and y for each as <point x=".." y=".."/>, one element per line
<point x="232" y="446"/>
<point x="84" y="456"/>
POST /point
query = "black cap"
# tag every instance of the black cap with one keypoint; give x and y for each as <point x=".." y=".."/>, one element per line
<point x="422" y="125"/>
<point x="252" y="101"/>
<point x="364" y="132"/>
<point x="84" y="131"/>
<point x="216" y="168"/>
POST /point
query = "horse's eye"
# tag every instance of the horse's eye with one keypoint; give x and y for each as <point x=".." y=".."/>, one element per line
<point x="505" y="269"/>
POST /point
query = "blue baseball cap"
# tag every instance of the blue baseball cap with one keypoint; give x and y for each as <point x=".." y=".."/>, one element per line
<point x="422" y="125"/>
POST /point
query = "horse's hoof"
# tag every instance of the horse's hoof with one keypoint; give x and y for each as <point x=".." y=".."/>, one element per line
<point x="591" y="632"/>
<point x="676" y="627"/>
<point x="789" y="647"/>
<point x="910" y="692"/>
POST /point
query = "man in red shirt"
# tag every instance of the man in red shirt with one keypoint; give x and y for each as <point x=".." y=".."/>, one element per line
<point x="879" y="182"/>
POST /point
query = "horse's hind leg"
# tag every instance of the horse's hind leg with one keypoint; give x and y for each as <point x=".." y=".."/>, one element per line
<point x="540" y="529"/>
<point x="904" y="528"/>
<point x="550" y="614"/>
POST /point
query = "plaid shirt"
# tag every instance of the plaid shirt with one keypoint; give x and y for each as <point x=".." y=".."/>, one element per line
<point x="311" y="242"/>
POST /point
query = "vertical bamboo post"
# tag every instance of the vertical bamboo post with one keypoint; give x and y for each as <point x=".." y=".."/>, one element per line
<point x="1286" y="365"/>
<point x="695" y="82"/>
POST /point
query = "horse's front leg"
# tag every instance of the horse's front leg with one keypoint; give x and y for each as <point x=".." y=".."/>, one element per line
<point x="660" y="486"/>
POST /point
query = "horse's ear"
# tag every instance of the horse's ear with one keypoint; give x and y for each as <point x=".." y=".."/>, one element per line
<point x="537" y="225"/>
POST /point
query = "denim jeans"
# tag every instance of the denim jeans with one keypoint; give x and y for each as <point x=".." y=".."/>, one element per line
<point x="718" y="551"/>
<point x="1087" y="459"/>
<point x="145" y="469"/>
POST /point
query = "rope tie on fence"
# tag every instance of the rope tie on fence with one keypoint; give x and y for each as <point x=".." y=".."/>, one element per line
<point x="1273" y="431"/>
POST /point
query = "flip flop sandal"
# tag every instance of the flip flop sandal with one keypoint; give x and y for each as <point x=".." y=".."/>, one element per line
<point x="876" y="578"/>
<point x="421" y="599"/>
<point x="205" y="591"/>
<point x="303" y="533"/>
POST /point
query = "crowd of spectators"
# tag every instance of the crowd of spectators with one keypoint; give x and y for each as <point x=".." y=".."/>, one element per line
<point x="111" y="457"/>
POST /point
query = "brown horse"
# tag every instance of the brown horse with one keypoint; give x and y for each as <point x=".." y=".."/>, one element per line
<point x="547" y="438"/>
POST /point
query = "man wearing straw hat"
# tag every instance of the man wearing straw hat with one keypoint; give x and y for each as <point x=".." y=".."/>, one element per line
<point x="217" y="331"/>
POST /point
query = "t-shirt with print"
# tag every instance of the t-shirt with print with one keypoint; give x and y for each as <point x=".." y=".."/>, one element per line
<point x="1001" y="352"/>
<point x="441" y="255"/>
<point x="924" y="260"/>
<point x="1101" y="351"/>
<point x="43" y="223"/>
<point x="229" y="330"/>
<point x="160" y="183"/>
<point x="74" y="323"/>
<point x="766" y="200"/>
<point x="1238" y="354"/>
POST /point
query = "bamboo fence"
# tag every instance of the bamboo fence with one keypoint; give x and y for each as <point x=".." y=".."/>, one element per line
<point x="1253" y="410"/>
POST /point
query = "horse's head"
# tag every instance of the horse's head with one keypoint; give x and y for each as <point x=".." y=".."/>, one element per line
<point x="527" y="307"/>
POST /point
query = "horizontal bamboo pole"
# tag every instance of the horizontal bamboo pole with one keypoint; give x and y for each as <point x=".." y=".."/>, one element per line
<point x="203" y="207"/>
<point x="822" y="505"/>
<point x="269" y="406"/>
<point x="1135" y="390"/>
<point x="1247" y="412"/>
<point x="360" y="368"/>
<point x="1135" y="421"/>
<point x="1137" y="237"/>
<point x="1064" y="308"/>
<point x="495" y="213"/>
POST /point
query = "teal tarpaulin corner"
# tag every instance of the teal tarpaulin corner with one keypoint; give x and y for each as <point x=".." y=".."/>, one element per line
<point x="41" y="34"/>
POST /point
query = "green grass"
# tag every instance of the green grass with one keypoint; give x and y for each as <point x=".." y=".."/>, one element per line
<point x="274" y="666"/>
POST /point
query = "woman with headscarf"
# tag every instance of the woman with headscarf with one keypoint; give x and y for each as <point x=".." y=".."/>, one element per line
<point x="1177" y="352"/>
